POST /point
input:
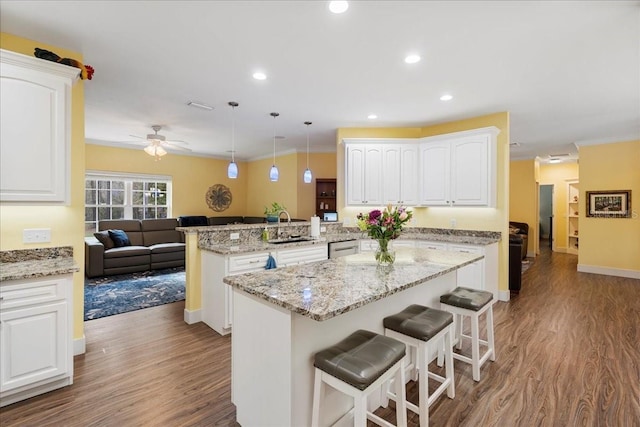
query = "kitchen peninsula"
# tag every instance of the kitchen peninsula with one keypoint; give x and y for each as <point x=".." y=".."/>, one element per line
<point x="282" y="317"/>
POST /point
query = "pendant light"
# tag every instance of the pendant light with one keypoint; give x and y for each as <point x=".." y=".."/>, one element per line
<point x="232" y="170"/>
<point x="273" y="173"/>
<point x="306" y="177"/>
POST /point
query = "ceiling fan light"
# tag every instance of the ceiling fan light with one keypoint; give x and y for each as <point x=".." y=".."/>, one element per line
<point x="150" y="150"/>
<point x="232" y="170"/>
<point x="274" y="174"/>
<point x="160" y="151"/>
<point x="307" y="176"/>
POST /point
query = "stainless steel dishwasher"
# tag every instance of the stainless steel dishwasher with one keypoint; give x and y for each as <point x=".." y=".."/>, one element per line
<point x="345" y="247"/>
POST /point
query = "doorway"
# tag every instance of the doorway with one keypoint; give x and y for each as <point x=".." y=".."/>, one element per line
<point x="545" y="217"/>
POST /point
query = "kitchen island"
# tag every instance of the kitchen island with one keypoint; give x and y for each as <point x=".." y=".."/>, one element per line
<point x="282" y="317"/>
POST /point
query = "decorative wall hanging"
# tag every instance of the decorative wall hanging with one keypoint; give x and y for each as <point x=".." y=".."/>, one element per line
<point x="86" y="71"/>
<point x="219" y="197"/>
<point x="609" y="204"/>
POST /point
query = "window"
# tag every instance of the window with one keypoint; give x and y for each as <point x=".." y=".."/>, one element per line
<point x="123" y="196"/>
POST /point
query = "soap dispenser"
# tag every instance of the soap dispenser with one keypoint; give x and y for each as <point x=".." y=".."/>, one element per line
<point x="265" y="234"/>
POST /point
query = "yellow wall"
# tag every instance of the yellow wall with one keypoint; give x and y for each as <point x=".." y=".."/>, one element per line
<point x="612" y="243"/>
<point x="489" y="219"/>
<point x="322" y="165"/>
<point x="191" y="176"/>
<point x="66" y="222"/>
<point x="262" y="192"/>
<point x="522" y="198"/>
<point x="558" y="175"/>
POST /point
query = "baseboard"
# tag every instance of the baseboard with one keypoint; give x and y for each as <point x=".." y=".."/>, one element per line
<point x="504" y="296"/>
<point x="192" y="316"/>
<point x="618" y="272"/>
<point x="79" y="345"/>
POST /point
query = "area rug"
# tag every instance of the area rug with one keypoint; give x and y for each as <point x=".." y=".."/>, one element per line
<point x="106" y="296"/>
<point x="526" y="263"/>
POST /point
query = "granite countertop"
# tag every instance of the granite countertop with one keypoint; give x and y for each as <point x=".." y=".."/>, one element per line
<point x="260" y="246"/>
<point x="325" y="289"/>
<point x="451" y="238"/>
<point x="34" y="263"/>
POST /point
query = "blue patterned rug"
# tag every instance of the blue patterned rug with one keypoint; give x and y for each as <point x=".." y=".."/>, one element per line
<point x="106" y="296"/>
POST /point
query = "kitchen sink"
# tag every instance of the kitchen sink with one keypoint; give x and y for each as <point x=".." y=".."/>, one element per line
<point x="289" y="240"/>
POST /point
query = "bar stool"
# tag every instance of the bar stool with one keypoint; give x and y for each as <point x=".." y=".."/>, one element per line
<point x="419" y="328"/>
<point x="471" y="303"/>
<point x="358" y="366"/>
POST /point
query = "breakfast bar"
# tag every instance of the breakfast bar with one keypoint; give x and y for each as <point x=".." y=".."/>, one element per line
<point x="282" y="317"/>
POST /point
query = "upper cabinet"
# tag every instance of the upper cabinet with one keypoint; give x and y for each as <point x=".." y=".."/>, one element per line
<point x="456" y="169"/>
<point x="364" y="174"/>
<point x="35" y="139"/>
<point x="459" y="169"/>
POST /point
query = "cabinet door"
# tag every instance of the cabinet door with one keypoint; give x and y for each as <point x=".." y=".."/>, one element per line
<point x="33" y="344"/>
<point x="355" y="174"/>
<point x="435" y="174"/>
<point x="470" y="171"/>
<point x="392" y="166"/>
<point x="35" y="110"/>
<point x="472" y="275"/>
<point x="409" y="175"/>
<point x="373" y="172"/>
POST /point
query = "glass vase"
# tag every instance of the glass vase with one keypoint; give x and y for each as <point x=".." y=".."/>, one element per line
<point x="385" y="255"/>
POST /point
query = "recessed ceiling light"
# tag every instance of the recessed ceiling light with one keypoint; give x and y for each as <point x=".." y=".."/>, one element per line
<point x="372" y="116"/>
<point x="412" y="59"/>
<point x="200" y="105"/>
<point x="446" y="97"/>
<point x="338" y="6"/>
<point x="259" y="76"/>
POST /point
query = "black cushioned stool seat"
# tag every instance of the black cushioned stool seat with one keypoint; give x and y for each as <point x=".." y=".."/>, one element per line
<point x="358" y="366"/>
<point x="421" y="327"/>
<point x="471" y="299"/>
<point x="471" y="303"/>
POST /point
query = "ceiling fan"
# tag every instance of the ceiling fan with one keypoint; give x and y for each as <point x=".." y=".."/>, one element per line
<point x="157" y="143"/>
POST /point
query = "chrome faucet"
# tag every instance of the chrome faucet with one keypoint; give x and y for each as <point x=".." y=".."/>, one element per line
<point x="288" y="221"/>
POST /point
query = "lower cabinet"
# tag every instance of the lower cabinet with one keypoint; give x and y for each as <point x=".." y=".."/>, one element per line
<point x="36" y="337"/>
<point x="482" y="274"/>
<point x="217" y="296"/>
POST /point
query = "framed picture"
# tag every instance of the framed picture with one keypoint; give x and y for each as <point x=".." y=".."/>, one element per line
<point x="609" y="204"/>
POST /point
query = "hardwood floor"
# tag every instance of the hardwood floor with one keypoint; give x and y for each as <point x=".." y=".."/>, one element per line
<point x="568" y="354"/>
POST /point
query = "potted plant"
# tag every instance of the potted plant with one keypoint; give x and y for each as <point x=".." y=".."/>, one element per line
<point x="272" y="211"/>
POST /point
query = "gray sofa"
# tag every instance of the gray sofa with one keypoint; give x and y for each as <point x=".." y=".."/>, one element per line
<point x="199" y="221"/>
<point x="153" y="244"/>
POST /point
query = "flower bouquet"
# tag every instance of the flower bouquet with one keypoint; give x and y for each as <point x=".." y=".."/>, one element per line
<point x="384" y="226"/>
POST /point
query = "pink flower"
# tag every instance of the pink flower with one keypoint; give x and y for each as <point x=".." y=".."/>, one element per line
<point x="403" y="215"/>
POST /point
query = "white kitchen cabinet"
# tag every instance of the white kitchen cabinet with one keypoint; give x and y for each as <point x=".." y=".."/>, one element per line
<point x="301" y="255"/>
<point x="35" y="136"/>
<point x="400" y="164"/>
<point x="364" y="174"/>
<point x="217" y="296"/>
<point x="459" y="169"/>
<point x="472" y="275"/>
<point x="36" y="337"/>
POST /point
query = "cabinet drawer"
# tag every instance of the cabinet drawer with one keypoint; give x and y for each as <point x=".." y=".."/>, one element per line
<point x="432" y="245"/>
<point x="302" y="255"/>
<point x="466" y="249"/>
<point x="247" y="263"/>
<point x="33" y="291"/>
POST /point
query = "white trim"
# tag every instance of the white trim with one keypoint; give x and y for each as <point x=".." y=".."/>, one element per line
<point x="192" y="316"/>
<point x="39" y="64"/>
<point x="126" y="175"/>
<point x="79" y="345"/>
<point x="504" y="296"/>
<point x="619" y="272"/>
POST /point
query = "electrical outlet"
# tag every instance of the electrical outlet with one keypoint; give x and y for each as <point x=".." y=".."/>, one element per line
<point x="235" y="236"/>
<point x="454" y="223"/>
<point x="36" y="235"/>
<point x="323" y="229"/>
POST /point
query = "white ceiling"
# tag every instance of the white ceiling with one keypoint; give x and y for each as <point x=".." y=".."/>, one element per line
<point x="567" y="71"/>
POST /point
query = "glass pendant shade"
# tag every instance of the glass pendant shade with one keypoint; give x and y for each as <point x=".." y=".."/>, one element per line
<point x="232" y="170"/>
<point x="273" y="173"/>
<point x="155" y="150"/>
<point x="307" y="176"/>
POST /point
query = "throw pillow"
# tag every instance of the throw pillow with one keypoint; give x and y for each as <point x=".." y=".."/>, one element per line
<point x="103" y="237"/>
<point x="119" y="238"/>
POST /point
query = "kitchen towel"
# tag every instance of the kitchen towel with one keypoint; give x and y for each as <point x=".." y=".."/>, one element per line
<point x="271" y="263"/>
<point x="315" y="227"/>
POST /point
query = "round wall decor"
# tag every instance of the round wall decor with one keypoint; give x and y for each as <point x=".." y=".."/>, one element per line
<point x="219" y="197"/>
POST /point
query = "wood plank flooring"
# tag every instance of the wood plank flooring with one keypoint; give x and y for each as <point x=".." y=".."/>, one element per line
<point x="568" y="354"/>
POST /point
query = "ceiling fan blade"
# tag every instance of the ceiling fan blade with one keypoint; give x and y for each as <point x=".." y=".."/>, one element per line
<point x="172" y="146"/>
<point x="136" y="136"/>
